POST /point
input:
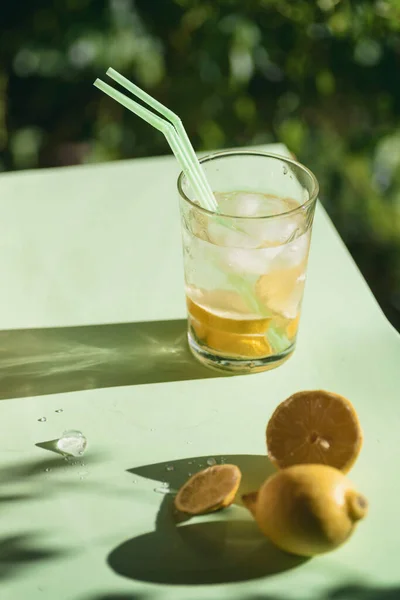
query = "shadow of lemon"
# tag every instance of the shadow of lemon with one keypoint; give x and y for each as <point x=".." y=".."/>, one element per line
<point x="219" y="548"/>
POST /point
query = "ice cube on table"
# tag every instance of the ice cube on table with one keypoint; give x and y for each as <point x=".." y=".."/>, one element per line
<point x="72" y="443"/>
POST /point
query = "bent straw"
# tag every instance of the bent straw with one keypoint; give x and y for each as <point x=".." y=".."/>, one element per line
<point x="176" y="122"/>
<point x="192" y="168"/>
<point x="178" y="140"/>
<point x="164" y="126"/>
<point x="191" y="173"/>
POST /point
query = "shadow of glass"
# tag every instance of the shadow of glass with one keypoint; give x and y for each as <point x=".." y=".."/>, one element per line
<point x="228" y="547"/>
<point x="35" y="362"/>
<point x="255" y="469"/>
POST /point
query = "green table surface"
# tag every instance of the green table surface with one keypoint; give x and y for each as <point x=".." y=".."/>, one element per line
<point x="92" y="322"/>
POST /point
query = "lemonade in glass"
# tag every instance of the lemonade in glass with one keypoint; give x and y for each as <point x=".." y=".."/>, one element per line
<point x="245" y="265"/>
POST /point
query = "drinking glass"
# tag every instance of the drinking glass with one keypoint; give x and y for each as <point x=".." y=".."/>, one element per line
<point x="245" y="265"/>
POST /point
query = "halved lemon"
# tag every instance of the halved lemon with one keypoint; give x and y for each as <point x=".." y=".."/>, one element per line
<point x="315" y="427"/>
<point x="209" y="490"/>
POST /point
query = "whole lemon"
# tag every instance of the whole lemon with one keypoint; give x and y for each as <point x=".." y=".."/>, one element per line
<point x="307" y="509"/>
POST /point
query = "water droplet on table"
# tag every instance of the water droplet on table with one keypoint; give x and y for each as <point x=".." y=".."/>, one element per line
<point x="72" y="443"/>
<point x="59" y="410"/>
<point x="285" y="170"/>
<point x="211" y="462"/>
<point x="170" y="468"/>
<point x="162" y="490"/>
<point x="47" y="470"/>
<point x="42" y="419"/>
<point x="134" y="481"/>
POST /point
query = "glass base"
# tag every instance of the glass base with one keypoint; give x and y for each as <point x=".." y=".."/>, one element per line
<point x="237" y="365"/>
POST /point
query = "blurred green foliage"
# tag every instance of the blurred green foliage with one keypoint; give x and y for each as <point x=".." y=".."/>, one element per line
<point x="322" y="77"/>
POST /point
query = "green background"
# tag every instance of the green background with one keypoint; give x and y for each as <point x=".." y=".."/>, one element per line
<point x="322" y="77"/>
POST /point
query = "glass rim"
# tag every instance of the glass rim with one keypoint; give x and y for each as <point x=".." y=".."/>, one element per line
<point x="259" y="153"/>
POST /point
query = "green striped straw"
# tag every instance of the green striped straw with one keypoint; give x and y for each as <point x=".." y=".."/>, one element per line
<point x="171" y="126"/>
<point x="176" y="122"/>
<point x="173" y="131"/>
